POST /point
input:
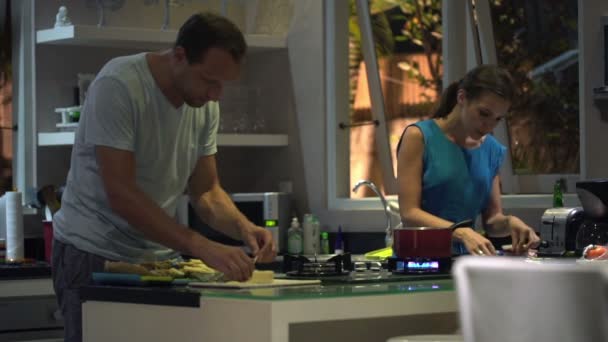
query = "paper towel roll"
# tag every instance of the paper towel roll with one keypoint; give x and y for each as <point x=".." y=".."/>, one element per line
<point x="14" y="226"/>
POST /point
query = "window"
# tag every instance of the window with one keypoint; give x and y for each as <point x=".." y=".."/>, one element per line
<point x="537" y="41"/>
<point x="408" y="46"/>
<point x="407" y="37"/>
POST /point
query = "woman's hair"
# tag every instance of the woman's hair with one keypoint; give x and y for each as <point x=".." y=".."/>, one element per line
<point x="203" y="31"/>
<point x="483" y="78"/>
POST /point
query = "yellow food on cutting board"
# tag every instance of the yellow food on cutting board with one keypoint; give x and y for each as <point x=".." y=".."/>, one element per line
<point x="125" y="267"/>
<point x="258" y="277"/>
<point x="261" y="277"/>
<point x="177" y="269"/>
<point x="193" y="268"/>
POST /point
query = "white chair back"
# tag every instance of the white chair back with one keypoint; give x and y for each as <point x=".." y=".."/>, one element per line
<point x="509" y="299"/>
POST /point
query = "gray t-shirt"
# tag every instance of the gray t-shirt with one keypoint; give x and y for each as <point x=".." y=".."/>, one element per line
<point x="125" y="109"/>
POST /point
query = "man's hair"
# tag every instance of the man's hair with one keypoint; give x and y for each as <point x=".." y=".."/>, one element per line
<point x="204" y="30"/>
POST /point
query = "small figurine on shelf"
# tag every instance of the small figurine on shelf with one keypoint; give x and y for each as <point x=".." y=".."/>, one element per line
<point x="61" y="19"/>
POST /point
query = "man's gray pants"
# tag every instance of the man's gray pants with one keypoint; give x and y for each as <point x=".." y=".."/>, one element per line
<point x="72" y="269"/>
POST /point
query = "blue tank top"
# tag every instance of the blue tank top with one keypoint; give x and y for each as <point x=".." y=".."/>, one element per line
<point x="457" y="181"/>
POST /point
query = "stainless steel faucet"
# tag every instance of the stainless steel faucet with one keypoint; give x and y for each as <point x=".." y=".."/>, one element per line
<point x="387" y="209"/>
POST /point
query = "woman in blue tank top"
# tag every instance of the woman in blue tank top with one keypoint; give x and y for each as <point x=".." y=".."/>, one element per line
<point x="448" y="165"/>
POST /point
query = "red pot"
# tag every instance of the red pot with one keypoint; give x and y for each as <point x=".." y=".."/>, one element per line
<point x="425" y="242"/>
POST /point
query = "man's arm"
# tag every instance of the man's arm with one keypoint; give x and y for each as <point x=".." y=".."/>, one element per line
<point x="117" y="169"/>
<point x="216" y="208"/>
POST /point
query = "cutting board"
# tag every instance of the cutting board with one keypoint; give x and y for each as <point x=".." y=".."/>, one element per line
<point x="246" y="285"/>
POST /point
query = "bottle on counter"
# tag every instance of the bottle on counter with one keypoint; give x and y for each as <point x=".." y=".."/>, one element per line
<point x="324" y="243"/>
<point x="294" y="237"/>
<point x="316" y="234"/>
<point x="558" y="197"/>
<point x="311" y="234"/>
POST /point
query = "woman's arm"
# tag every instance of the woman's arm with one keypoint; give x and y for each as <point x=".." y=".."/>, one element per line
<point x="409" y="182"/>
<point x="497" y="224"/>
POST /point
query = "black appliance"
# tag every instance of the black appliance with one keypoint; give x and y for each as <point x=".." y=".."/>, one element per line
<point x="321" y="266"/>
<point x="340" y="269"/>
<point x="593" y="195"/>
<point x="558" y="230"/>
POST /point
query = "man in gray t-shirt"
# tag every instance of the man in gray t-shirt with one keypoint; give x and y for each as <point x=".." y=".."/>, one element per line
<point x="147" y="135"/>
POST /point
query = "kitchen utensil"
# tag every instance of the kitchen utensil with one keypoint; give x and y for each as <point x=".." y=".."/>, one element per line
<point x="425" y="242"/>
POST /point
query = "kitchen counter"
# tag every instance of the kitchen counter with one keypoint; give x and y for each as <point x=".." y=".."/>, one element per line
<point x="28" y="305"/>
<point x="24" y="271"/>
<point x="329" y="312"/>
<point x="26" y="280"/>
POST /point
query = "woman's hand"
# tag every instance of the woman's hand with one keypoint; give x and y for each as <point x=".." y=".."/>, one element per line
<point x="474" y="242"/>
<point x="523" y="238"/>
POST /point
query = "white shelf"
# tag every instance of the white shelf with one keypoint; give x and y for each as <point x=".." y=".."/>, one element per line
<point x="56" y="139"/>
<point x="82" y="35"/>
<point x="67" y="139"/>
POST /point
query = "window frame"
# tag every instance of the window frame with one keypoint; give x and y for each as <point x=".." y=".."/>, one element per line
<point x="24" y="90"/>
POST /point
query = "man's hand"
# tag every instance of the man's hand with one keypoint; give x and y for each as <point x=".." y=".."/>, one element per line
<point x="232" y="261"/>
<point x="475" y="243"/>
<point x="260" y="241"/>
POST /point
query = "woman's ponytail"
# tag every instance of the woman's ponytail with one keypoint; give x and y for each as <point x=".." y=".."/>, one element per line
<point x="447" y="101"/>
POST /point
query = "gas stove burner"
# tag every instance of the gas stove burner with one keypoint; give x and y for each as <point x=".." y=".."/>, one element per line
<point x="419" y="265"/>
<point x="324" y="265"/>
<point x="319" y="267"/>
<point x="317" y="273"/>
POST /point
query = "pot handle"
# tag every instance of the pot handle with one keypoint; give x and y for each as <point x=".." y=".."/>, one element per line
<point x="465" y="223"/>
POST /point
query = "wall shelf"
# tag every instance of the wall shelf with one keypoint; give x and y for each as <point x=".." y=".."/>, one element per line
<point x="126" y="37"/>
<point x="269" y="140"/>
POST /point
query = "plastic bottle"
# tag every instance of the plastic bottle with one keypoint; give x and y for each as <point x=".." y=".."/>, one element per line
<point x="311" y="238"/>
<point x="294" y="237"/>
<point x="324" y="243"/>
<point x="316" y="234"/>
<point x="558" y="198"/>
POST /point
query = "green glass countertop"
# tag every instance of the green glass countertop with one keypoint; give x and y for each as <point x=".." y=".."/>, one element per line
<point x="331" y="290"/>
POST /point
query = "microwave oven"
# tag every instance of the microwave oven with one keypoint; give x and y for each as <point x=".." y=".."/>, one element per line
<point x="265" y="209"/>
